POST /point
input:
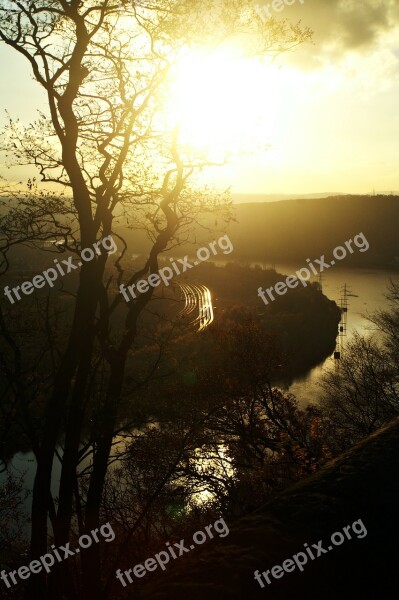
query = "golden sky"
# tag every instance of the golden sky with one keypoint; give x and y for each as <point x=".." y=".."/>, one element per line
<point x="322" y="119"/>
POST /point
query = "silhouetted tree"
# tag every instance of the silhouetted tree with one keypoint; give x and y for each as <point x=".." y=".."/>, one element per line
<point x="104" y="67"/>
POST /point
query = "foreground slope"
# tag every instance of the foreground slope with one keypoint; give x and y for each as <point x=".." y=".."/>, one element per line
<point x="361" y="484"/>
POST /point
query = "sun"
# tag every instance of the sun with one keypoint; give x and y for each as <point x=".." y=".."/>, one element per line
<point x="224" y="103"/>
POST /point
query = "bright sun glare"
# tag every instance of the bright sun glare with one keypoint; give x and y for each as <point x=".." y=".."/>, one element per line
<point x="223" y="103"/>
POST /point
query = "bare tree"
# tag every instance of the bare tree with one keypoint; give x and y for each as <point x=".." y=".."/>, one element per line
<point x="362" y="395"/>
<point x="104" y="67"/>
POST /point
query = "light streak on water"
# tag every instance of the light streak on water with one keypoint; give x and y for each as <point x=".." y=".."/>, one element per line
<point x="197" y="297"/>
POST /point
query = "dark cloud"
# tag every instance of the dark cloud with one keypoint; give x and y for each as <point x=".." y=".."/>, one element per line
<point x="342" y="25"/>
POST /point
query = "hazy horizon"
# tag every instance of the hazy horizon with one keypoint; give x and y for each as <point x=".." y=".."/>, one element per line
<point x="281" y="196"/>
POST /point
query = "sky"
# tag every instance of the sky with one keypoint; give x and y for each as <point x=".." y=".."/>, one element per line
<point x="322" y="118"/>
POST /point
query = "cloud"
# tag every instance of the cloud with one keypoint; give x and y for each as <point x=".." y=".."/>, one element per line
<point x="342" y="26"/>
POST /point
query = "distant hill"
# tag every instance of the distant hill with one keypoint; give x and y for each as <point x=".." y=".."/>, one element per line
<point x="290" y="231"/>
<point x="242" y="198"/>
<point x="297" y="229"/>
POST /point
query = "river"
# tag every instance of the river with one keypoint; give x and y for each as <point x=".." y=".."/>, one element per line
<point x="366" y="294"/>
<point x="368" y="288"/>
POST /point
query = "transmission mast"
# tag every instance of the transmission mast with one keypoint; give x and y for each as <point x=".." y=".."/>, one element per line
<point x="342" y="327"/>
